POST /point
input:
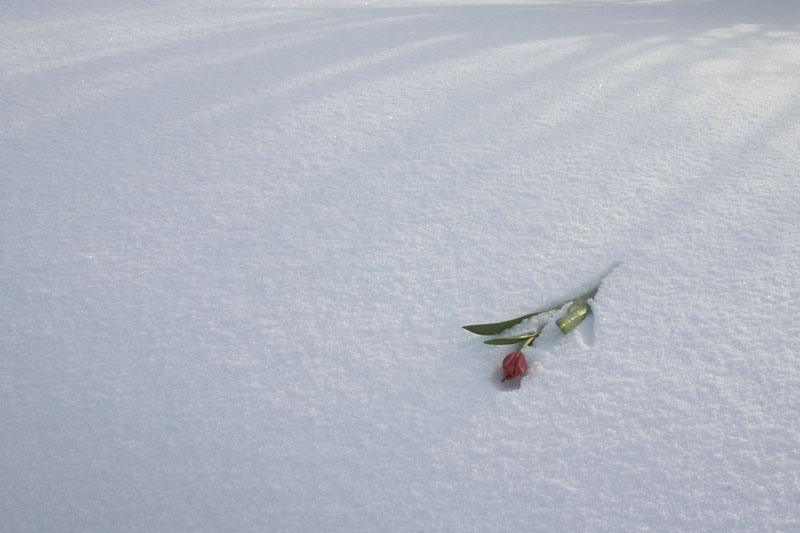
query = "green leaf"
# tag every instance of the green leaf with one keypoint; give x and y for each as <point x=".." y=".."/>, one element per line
<point x="575" y="314"/>
<point x="577" y="307"/>
<point x="499" y="327"/>
<point x="509" y="340"/>
<point x="526" y="338"/>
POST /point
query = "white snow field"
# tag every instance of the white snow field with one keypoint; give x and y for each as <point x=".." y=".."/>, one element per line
<point x="238" y="241"/>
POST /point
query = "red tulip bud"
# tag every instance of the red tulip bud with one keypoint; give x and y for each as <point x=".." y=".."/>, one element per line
<point x="514" y="365"/>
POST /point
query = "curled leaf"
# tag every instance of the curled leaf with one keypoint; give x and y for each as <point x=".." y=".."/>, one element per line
<point x="575" y="315"/>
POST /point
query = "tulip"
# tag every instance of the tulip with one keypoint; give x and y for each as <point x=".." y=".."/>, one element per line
<point x="514" y="365"/>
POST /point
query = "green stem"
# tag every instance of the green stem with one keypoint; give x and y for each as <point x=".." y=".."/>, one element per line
<point x="532" y="338"/>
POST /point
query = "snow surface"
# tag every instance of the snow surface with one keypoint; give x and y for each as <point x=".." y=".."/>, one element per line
<point x="239" y="240"/>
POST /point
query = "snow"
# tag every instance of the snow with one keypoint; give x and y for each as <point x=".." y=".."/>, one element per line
<point x="239" y="241"/>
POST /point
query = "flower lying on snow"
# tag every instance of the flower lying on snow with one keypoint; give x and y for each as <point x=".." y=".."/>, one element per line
<point x="514" y="363"/>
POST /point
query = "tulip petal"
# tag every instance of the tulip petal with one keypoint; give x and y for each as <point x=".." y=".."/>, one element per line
<point x="514" y="364"/>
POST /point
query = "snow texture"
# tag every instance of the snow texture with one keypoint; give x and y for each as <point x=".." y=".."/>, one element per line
<point x="239" y="240"/>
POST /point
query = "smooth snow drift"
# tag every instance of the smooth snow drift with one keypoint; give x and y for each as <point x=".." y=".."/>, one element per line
<point x="239" y="240"/>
